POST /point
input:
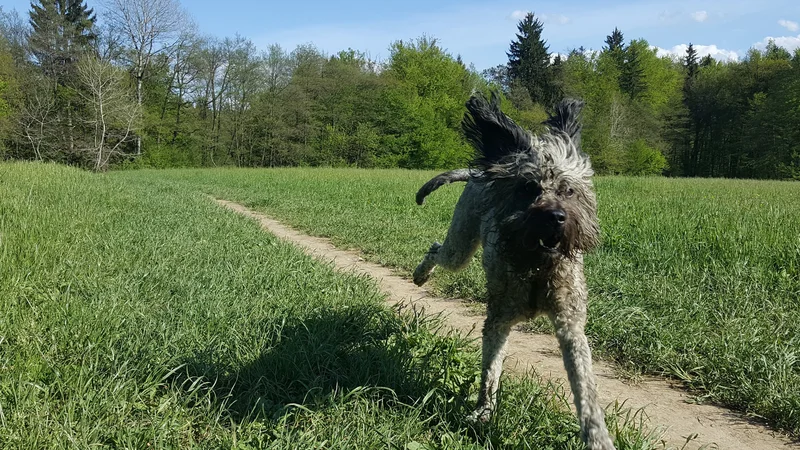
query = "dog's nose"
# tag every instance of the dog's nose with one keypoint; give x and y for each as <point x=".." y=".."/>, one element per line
<point x="558" y="216"/>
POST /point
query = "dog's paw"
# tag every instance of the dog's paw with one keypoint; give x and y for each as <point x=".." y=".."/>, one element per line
<point x="480" y="416"/>
<point x="599" y="440"/>
<point x="424" y="270"/>
<point x="422" y="273"/>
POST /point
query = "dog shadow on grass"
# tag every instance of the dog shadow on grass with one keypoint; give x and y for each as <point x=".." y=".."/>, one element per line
<point x="315" y="361"/>
<point x="398" y="361"/>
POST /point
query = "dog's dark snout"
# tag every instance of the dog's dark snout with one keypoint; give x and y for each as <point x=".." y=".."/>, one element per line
<point x="558" y="216"/>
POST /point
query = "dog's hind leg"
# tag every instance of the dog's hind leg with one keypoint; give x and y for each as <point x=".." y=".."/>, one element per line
<point x="463" y="240"/>
<point x="569" y="320"/>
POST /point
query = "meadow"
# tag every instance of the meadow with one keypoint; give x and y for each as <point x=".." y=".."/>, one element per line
<point x="136" y="313"/>
<point x="696" y="279"/>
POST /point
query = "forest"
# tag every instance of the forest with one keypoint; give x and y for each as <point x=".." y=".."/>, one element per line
<point x="133" y="83"/>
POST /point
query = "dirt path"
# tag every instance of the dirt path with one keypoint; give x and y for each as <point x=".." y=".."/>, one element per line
<point x="665" y="406"/>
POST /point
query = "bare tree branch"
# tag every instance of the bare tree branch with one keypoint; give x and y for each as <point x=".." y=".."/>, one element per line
<point x="37" y="117"/>
<point x="114" y="115"/>
<point x="149" y="27"/>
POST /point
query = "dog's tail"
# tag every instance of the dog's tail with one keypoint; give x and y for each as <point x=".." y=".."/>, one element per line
<point x="442" y="179"/>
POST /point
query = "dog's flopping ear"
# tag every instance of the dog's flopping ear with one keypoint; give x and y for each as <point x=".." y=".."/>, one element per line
<point x="492" y="133"/>
<point x="566" y="119"/>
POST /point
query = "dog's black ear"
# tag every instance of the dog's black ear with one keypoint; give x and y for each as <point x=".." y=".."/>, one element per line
<point x="566" y="119"/>
<point x="492" y="133"/>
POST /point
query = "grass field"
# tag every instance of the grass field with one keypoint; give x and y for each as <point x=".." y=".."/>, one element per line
<point x="695" y="279"/>
<point x="136" y="313"/>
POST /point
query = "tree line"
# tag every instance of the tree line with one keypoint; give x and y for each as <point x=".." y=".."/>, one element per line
<point x="139" y="86"/>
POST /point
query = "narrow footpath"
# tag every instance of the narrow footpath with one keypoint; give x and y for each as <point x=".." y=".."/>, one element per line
<point x="665" y="405"/>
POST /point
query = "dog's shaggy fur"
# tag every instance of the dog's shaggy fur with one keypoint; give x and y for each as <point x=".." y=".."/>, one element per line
<point x="529" y="201"/>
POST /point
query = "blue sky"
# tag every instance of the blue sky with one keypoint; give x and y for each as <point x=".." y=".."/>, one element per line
<point x="480" y="31"/>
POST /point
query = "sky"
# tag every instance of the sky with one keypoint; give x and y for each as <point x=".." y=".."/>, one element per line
<point x="480" y="31"/>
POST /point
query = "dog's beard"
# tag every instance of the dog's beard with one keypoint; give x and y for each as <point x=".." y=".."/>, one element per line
<point x="529" y="246"/>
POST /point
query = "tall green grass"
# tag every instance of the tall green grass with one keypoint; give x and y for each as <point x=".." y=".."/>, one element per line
<point x="136" y="313"/>
<point x="696" y="279"/>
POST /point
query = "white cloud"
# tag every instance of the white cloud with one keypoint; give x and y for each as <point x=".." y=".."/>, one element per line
<point x="518" y="14"/>
<point x="717" y="53"/>
<point x="669" y="17"/>
<point x="790" y="43"/>
<point x="789" y="25"/>
<point x="700" y="16"/>
<point x="558" y="19"/>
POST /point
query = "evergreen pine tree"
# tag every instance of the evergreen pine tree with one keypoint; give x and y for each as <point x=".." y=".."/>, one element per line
<point x="61" y="31"/>
<point x="529" y="61"/>
<point x="615" y="46"/>
<point x="690" y="62"/>
<point x="556" y="79"/>
<point x="692" y="144"/>
<point x="615" y="41"/>
<point x="577" y="53"/>
<point x="776" y="53"/>
<point x="631" y="79"/>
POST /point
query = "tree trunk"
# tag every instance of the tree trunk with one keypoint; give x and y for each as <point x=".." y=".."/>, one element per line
<point x="70" y="130"/>
<point x="139" y="76"/>
<point x="164" y="106"/>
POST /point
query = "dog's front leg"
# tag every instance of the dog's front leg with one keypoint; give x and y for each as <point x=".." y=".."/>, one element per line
<point x="569" y="321"/>
<point x="495" y="334"/>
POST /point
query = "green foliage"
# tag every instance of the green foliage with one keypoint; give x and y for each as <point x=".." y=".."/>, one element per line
<point x="632" y="79"/>
<point x="162" y="157"/>
<point x="660" y="81"/>
<point x="217" y="102"/>
<point x="530" y="118"/>
<point x="630" y="95"/>
<point x="791" y="170"/>
<point x="9" y="94"/>
<point x="743" y="118"/>
<point x="643" y="160"/>
<point x="331" y="142"/>
<point x="311" y="109"/>
<point x="615" y="49"/>
<point x="362" y="148"/>
<point x="425" y="100"/>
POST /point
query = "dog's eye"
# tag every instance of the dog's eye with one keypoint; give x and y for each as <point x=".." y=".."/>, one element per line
<point x="569" y="192"/>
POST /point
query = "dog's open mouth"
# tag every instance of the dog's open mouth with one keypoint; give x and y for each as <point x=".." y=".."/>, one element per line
<point x="550" y="244"/>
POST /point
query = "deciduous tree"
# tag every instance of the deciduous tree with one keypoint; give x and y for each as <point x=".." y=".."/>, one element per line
<point x="113" y="112"/>
<point x="147" y="27"/>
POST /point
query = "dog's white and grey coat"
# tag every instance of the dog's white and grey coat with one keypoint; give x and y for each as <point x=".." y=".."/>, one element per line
<point x="529" y="201"/>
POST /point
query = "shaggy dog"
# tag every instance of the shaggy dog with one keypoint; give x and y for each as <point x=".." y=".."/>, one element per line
<point x="529" y="201"/>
